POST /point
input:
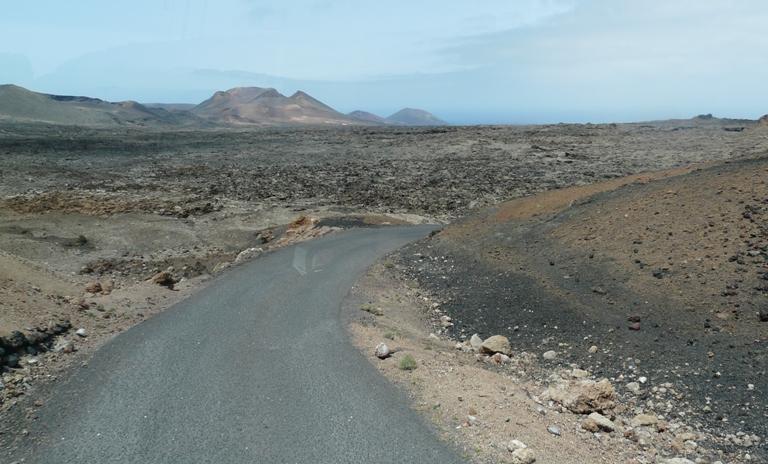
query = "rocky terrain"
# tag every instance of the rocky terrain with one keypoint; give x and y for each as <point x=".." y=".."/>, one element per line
<point x="103" y="227"/>
<point x="652" y="282"/>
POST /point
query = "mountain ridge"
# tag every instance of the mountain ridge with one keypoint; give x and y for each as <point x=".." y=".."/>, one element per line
<point x="238" y="106"/>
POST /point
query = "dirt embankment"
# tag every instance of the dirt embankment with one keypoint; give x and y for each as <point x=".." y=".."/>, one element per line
<point x="662" y="279"/>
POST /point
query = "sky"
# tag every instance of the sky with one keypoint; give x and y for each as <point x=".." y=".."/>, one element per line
<point x="486" y="61"/>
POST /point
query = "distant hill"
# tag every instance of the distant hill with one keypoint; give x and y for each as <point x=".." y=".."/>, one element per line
<point x="367" y="117"/>
<point x="415" y="117"/>
<point x="171" y="106"/>
<point x="404" y="117"/>
<point x="267" y="106"/>
<point x="20" y="104"/>
<point x="238" y="106"/>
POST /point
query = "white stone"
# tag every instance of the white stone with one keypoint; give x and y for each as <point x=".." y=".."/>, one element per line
<point x="523" y="456"/>
<point x="579" y="374"/>
<point x="81" y="333"/>
<point x="382" y="351"/>
<point x="476" y="342"/>
<point x="549" y="355"/>
<point x="248" y="253"/>
<point x="603" y="422"/>
<point x="516" y="445"/>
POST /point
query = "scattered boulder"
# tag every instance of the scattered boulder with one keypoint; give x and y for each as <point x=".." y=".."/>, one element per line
<point x="579" y="374"/>
<point x="602" y="422"/>
<point x="584" y="396"/>
<point x="16" y="340"/>
<point x="93" y="287"/>
<point x="81" y="333"/>
<point x="549" y="355"/>
<point x="523" y="456"/>
<point x="499" y="358"/>
<point x="554" y="430"/>
<point x="476" y="342"/>
<point x="220" y="267"/>
<point x="107" y="287"/>
<point x="247" y="254"/>
<point x="164" y="278"/>
<point x="644" y="420"/>
<point x="593" y="349"/>
<point x="382" y="351"/>
<point x="590" y="425"/>
<point x="64" y="346"/>
<point x="12" y="361"/>
<point x="514" y="445"/>
<point x="634" y="387"/>
<point x="497" y="344"/>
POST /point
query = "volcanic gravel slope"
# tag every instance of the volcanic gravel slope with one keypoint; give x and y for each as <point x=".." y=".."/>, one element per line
<point x="666" y="276"/>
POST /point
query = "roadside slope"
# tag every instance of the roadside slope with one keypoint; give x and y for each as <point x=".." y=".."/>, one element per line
<point x="665" y="277"/>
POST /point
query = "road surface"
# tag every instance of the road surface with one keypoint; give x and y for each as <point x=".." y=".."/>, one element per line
<point x="255" y="368"/>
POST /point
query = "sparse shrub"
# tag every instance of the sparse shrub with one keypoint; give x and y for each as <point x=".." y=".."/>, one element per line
<point x="390" y="334"/>
<point x="407" y="363"/>
<point x="79" y="241"/>
<point x="369" y="308"/>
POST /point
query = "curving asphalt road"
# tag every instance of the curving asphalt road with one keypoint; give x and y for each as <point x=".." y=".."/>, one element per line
<point x="255" y="368"/>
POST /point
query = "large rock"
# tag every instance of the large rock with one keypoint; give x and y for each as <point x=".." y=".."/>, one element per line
<point x="497" y="344"/>
<point x="584" y="396"/>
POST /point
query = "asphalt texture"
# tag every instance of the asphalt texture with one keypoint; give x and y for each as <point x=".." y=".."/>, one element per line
<point x="255" y="368"/>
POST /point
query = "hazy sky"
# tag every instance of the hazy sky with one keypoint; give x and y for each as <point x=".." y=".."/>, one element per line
<point x="480" y="61"/>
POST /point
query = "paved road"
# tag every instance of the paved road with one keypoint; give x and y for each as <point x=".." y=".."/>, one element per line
<point x="256" y="368"/>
